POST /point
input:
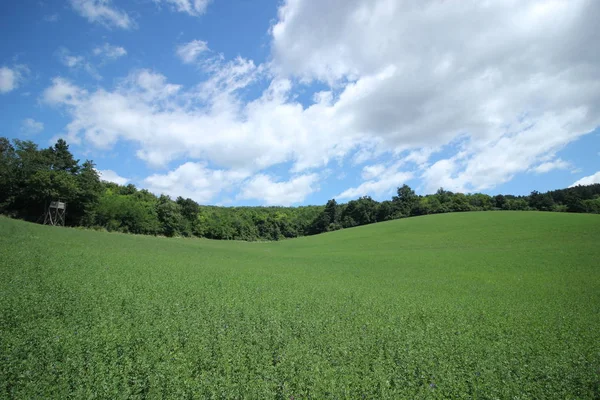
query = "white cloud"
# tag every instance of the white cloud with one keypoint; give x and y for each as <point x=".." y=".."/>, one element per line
<point x="10" y="78"/>
<point x="262" y="187"/>
<point x="196" y="181"/>
<point x="551" y="166"/>
<point x="109" y="52"/>
<point x="62" y="92"/>
<point x="500" y="87"/>
<point x="102" y="12"/>
<point x="111" y="176"/>
<point x="30" y="126"/>
<point x="483" y="165"/>
<point x="379" y="181"/>
<point x="372" y="171"/>
<point x="69" y="60"/>
<point x="189" y="52"/>
<point x="430" y="73"/>
<point x="75" y="62"/>
<point x="191" y="7"/>
<point x="207" y="122"/>
<point x="588" y="180"/>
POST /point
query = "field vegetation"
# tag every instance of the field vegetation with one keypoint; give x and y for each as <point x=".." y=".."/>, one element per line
<point x="495" y="305"/>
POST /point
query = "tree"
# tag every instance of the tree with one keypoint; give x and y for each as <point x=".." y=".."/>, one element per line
<point x="89" y="191"/>
<point x="460" y="202"/>
<point x="481" y="202"/>
<point x="516" y="204"/>
<point x="499" y="201"/>
<point x="385" y="209"/>
<point x="8" y="160"/>
<point x="405" y="201"/>
<point x="592" y="205"/>
<point x="123" y="213"/>
<point x="189" y="211"/>
<point x="328" y="220"/>
<point x="45" y="186"/>
<point x="31" y="177"/>
<point x="575" y="203"/>
<point x="359" y="212"/>
<point x="444" y="197"/>
<point x="539" y="201"/>
<point x="169" y="216"/>
<point x="62" y="159"/>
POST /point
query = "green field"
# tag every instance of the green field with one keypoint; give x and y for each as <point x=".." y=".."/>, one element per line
<point x="494" y="305"/>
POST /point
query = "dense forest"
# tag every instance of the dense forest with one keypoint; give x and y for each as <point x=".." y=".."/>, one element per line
<point x="31" y="177"/>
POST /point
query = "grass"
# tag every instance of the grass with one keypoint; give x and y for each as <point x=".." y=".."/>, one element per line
<point x="492" y="305"/>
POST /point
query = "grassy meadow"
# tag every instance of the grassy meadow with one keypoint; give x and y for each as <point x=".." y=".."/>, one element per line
<point x="491" y="305"/>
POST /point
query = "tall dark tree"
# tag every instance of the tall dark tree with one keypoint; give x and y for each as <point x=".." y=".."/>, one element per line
<point x="385" y="210"/>
<point x="169" y="216"/>
<point x="328" y="220"/>
<point x="8" y="162"/>
<point x="499" y="201"/>
<point x="541" y="201"/>
<point x="89" y="191"/>
<point x="189" y="208"/>
<point x="62" y="159"/>
<point x="405" y="201"/>
<point x="359" y="212"/>
<point x="332" y="209"/>
<point x="189" y="211"/>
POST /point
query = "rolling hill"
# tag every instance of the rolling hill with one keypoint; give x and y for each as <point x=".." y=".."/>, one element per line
<point x="465" y="305"/>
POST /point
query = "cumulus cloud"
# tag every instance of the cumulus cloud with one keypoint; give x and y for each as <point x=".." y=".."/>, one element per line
<point x="372" y="171"/>
<point x="263" y="187"/>
<point x="70" y="60"/>
<point x="63" y="92"/>
<point x="588" y="180"/>
<point x="30" y="126"/>
<point x="497" y="88"/>
<point x="109" y="175"/>
<point x="102" y="12"/>
<point x="10" y="78"/>
<point x="519" y="73"/>
<point x="379" y="181"/>
<point x="551" y="166"/>
<point x="75" y="62"/>
<point x="191" y="7"/>
<point x="109" y="52"/>
<point x="207" y="122"/>
<point x="196" y="181"/>
<point x="189" y="52"/>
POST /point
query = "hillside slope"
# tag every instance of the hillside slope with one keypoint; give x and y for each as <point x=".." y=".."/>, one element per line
<point x="486" y="305"/>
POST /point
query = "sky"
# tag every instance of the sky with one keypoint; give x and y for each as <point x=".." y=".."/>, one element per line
<point x="294" y="102"/>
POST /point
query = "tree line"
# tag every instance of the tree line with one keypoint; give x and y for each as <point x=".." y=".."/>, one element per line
<point x="31" y="177"/>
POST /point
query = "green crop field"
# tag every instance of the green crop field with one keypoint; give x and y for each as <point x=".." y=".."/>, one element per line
<point x="494" y="305"/>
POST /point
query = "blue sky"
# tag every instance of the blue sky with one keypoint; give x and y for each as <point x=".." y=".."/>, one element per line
<point x="240" y="102"/>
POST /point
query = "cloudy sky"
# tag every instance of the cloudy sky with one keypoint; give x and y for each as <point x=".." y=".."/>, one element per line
<point x="298" y="101"/>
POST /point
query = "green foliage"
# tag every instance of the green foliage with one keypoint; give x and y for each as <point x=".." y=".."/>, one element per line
<point x="8" y="159"/>
<point x="61" y="158"/>
<point x="122" y="213"/>
<point x="515" y="205"/>
<point x="592" y="205"/>
<point x="31" y="177"/>
<point x="169" y="217"/>
<point x="457" y="306"/>
<point x="82" y="208"/>
<point x="405" y="201"/>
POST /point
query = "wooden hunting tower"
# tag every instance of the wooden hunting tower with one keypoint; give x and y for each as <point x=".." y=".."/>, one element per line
<point x="55" y="214"/>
